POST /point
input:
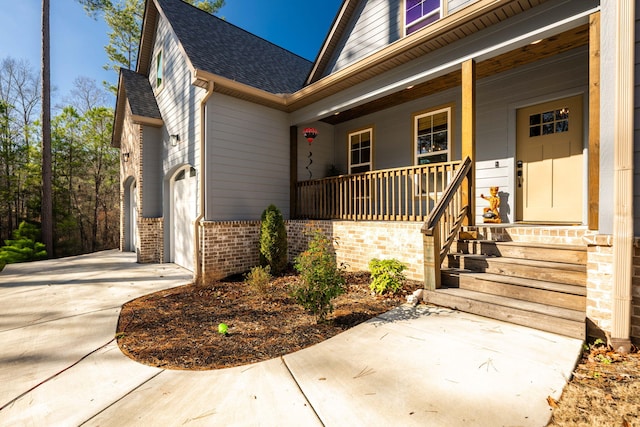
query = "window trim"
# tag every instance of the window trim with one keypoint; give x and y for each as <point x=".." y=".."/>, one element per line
<point x="369" y="129"/>
<point x="449" y="108"/>
<point x="159" y="65"/>
<point x="441" y="10"/>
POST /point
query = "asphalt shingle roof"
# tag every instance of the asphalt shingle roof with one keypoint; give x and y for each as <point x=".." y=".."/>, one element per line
<point x="221" y="48"/>
<point x="140" y="94"/>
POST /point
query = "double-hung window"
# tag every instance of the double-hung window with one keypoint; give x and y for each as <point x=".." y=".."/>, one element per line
<point x="360" y="146"/>
<point x="432" y="136"/>
<point x="420" y="13"/>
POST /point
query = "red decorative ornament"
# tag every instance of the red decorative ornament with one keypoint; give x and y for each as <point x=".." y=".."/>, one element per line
<point x="310" y="134"/>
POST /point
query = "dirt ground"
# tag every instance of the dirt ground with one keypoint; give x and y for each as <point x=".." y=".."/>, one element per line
<point x="178" y="329"/>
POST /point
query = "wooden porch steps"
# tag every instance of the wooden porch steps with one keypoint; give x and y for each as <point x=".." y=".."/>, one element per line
<point x="532" y="284"/>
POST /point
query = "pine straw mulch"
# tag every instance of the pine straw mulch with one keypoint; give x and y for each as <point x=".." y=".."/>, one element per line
<point x="178" y="328"/>
<point x="604" y="391"/>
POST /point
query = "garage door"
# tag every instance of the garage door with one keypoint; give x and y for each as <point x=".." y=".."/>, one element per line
<point x="184" y="212"/>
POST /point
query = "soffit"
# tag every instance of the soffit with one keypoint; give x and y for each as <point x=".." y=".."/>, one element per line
<point x="551" y="46"/>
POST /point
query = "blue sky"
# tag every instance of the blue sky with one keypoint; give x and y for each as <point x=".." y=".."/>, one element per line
<point x="77" y="44"/>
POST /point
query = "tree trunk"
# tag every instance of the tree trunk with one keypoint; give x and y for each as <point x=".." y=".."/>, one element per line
<point x="47" y="176"/>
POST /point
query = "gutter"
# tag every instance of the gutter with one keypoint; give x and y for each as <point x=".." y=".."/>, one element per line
<point x="198" y="279"/>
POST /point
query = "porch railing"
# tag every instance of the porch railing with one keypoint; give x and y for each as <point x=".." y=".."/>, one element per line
<point x="401" y="194"/>
<point x="444" y="222"/>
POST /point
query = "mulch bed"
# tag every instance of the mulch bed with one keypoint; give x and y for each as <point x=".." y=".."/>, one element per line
<point x="178" y="328"/>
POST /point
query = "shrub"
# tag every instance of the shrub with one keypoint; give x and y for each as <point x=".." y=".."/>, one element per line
<point x="24" y="246"/>
<point x="258" y="278"/>
<point x="321" y="280"/>
<point x="386" y="275"/>
<point x="273" y="240"/>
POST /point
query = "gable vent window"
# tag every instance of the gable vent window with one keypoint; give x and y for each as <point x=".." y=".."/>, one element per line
<point x="420" y="13"/>
<point x="159" y="70"/>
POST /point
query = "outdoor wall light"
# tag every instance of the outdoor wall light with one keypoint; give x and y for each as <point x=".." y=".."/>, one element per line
<point x="175" y="139"/>
<point x="125" y="157"/>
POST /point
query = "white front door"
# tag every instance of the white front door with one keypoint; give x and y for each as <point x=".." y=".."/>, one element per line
<point x="184" y="213"/>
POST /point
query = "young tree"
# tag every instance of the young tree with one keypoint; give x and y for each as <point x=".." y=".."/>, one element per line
<point x="124" y="17"/>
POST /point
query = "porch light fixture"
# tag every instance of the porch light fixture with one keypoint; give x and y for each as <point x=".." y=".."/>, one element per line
<point x="125" y="157"/>
<point x="175" y="139"/>
<point x="310" y="134"/>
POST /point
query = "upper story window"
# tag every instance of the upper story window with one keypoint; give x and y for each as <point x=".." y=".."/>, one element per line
<point x="420" y="13"/>
<point x="360" y="146"/>
<point x="159" y="70"/>
<point x="432" y="136"/>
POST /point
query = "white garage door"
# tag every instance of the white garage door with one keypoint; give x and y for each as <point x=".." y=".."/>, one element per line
<point x="184" y="212"/>
<point x="133" y="217"/>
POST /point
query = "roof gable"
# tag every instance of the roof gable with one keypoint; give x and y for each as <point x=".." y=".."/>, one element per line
<point x="220" y="48"/>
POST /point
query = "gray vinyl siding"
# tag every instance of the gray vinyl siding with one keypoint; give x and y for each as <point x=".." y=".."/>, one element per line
<point x="152" y="174"/>
<point x="247" y="159"/>
<point x="455" y="5"/>
<point x="374" y="25"/>
<point x="179" y="103"/>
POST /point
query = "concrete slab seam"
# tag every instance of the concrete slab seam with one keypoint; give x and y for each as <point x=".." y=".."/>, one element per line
<point x="62" y="318"/>
<point x="121" y="397"/>
<point x="12" y="401"/>
<point x="295" y="380"/>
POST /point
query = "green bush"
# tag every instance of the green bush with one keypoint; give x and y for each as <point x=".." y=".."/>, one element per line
<point x="24" y="246"/>
<point x="321" y="279"/>
<point x="273" y="240"/>
<point x="258" y="279"/>
<point x="386" y="275"/>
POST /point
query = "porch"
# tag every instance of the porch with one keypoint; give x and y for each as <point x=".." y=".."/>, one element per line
<point x="531" y="275"/>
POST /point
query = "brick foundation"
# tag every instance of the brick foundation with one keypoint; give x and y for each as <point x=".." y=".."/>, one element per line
<point x="232" y="247"/>
<point x="150" y="240"/>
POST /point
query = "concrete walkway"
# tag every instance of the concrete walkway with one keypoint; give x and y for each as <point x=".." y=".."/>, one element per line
<point x="424" y="366"/>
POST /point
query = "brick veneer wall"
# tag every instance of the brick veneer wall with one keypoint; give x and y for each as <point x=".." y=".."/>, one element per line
<point x="357" y="242"/>
<point x="232" y="247"/>
<point x="228" y="247"/>
<point x="600" y="287"/>
<point x="635" y="302"/>
<point x="150" y="240"/>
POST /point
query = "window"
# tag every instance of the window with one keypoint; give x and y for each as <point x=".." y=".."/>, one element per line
<point x="549" y="122"/>
<point x="432" y="136"/>
<point x="420" y="13"/>
<point x="159" y="70"/>
<point x="360" y="151"/>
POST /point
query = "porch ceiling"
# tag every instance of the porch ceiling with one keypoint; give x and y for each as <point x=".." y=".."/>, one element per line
<point x="554" y="45"/>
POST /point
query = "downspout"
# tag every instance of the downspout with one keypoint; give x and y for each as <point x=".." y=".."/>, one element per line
<point x="623" y="178"/>
<point x="198" y="279"/>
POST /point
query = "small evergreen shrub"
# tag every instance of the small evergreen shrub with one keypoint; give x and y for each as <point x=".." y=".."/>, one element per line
<point x="24" y="246"/>
<point x="258" y="278"/>
<point x="273" y="240"/>
<point x="321" y="279"/>
<point x="386" y="275"/>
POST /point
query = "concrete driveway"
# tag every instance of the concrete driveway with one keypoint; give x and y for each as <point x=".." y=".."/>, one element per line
<point x="60" y="364"/>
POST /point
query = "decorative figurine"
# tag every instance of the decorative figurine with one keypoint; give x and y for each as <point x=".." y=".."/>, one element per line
<point x="491" y="214"/>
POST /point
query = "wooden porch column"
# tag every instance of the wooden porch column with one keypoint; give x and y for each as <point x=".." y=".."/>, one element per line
<point x="293" y="171"/>
<point x="469" y="135"/>
<point x="594" y="121"/>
